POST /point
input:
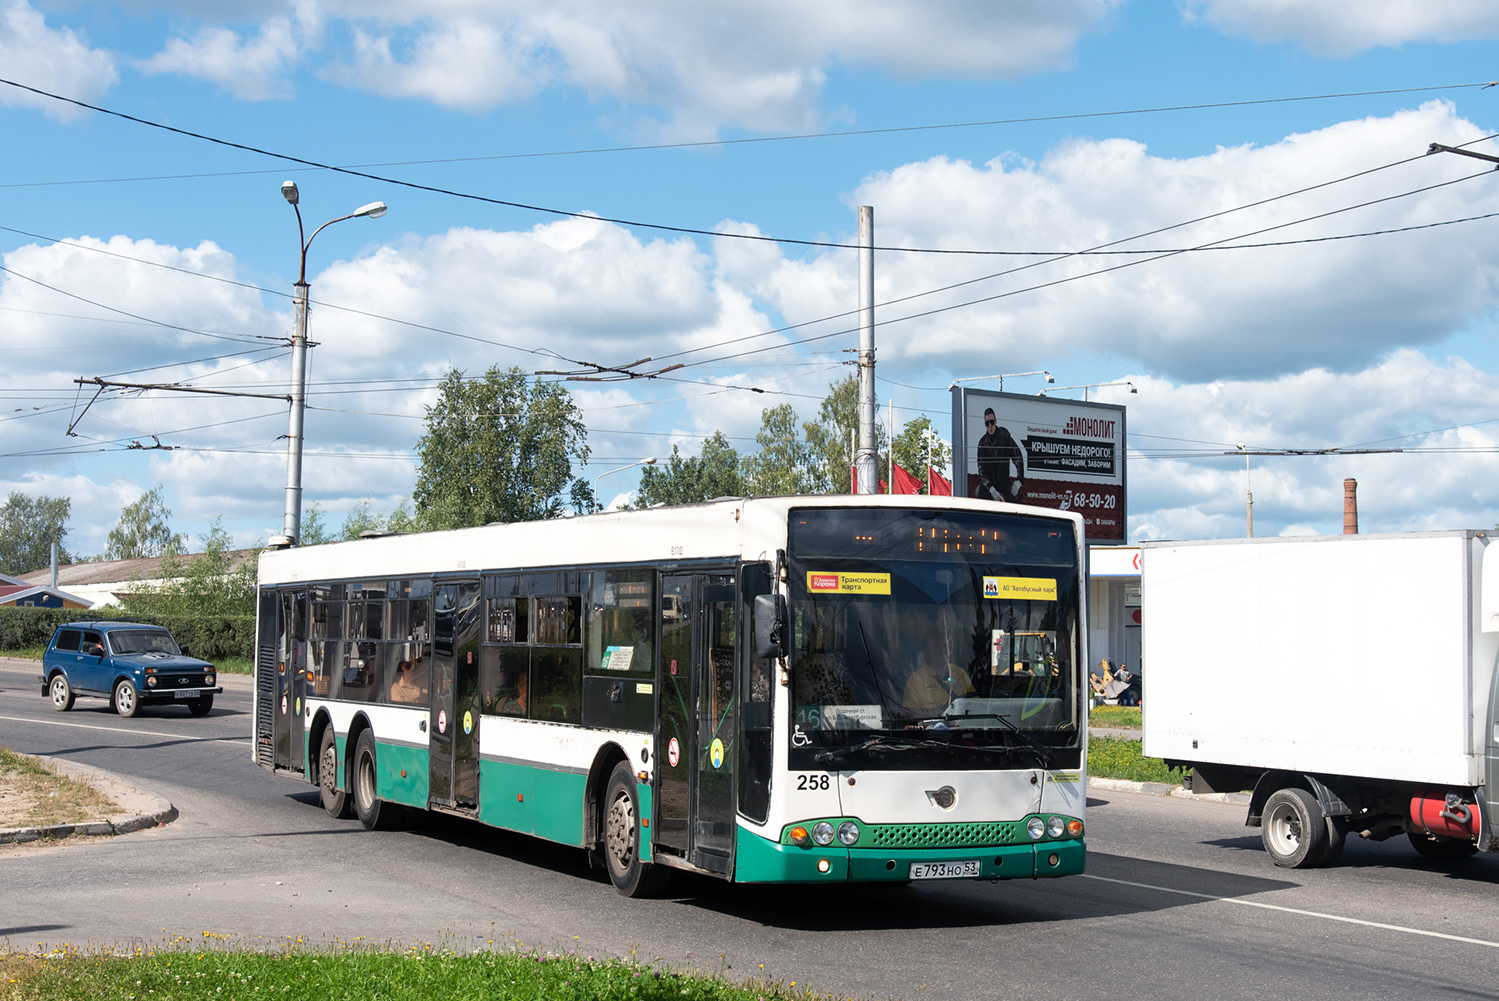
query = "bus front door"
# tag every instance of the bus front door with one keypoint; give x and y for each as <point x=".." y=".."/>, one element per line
<point x="694" y="755"/>
<point x="294" y="663"/>
<point x="453" y="727"/>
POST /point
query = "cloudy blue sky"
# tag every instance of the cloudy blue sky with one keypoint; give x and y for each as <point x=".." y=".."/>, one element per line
<point x="139" y="254"/>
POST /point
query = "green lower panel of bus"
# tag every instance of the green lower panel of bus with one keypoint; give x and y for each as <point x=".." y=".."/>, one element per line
<point x="533" y="800"/>
<point x="761" y="861"/>
<point x="404" y="773"/>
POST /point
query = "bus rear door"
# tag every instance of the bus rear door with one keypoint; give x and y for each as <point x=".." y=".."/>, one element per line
<point x="453" y="730"/>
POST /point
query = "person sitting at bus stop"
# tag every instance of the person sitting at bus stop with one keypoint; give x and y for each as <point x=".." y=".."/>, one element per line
<point x="404" y="689"/>
<point x="936" y="681"/>
<point x="516" y="704"/>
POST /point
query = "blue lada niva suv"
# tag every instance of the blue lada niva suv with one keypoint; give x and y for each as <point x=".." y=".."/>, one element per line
<point x="129" y="663"/>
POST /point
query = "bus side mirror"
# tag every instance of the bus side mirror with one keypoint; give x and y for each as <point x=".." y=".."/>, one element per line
<point x="770" y="624"/>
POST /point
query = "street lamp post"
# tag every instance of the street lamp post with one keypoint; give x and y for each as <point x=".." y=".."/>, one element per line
<point x="1248" y="493"/>
<point x="291" y="527"/>
<point x="597" y="507"/>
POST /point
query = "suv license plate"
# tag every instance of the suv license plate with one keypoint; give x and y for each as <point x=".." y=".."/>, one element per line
<point x="944" y="870"/>
<point x="184" y="694"/>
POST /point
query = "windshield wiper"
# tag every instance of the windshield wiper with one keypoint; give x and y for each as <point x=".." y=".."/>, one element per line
<point x="901" y="744"/>
<point x="1042" y="752"/>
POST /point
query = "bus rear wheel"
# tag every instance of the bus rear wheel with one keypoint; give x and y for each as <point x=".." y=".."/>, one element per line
<point x="621" y="836"/>
<point x="374" y="813"/>
<point x="335" y="800"/>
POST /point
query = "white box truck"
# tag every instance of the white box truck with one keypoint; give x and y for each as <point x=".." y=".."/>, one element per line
<point x="1349" y="681"/>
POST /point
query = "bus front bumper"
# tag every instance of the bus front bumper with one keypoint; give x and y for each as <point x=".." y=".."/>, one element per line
<point x="761" y="861"/>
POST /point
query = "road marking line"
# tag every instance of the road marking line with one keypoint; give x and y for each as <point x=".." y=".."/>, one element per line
<point x="114" y="729"/>
<point x="1297" y="910"/>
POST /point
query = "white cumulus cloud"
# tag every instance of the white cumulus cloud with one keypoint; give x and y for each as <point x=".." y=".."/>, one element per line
<point x="52" y="59"/>
<point x="251" y="68"/>
<point x="1343" y="27"/>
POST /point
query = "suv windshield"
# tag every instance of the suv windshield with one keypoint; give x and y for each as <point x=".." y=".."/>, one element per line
<point x="933" y="639"/>
<point x="142" y="641"/>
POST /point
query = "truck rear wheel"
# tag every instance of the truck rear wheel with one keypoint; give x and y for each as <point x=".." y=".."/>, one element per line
<point x="1440" y="849"/>
<point x="1294" y="830"/>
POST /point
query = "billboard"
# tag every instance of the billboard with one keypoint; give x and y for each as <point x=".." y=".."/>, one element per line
<point x="1064" y="454"/>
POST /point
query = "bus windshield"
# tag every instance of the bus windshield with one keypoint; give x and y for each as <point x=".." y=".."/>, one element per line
<point x="924" y="639"/>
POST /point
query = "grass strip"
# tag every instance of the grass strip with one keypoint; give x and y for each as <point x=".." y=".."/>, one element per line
<point x="1113" y="758"/>
<point x="354" y="972"/>
<point x="1118" y="717"/>
<point x="44" y="797"/>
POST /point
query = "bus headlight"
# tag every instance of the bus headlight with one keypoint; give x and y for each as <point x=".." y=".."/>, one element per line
<point x="822" y="832"/>
<point x="1035" y="827"/>
<point x="1056" y="826"/>
<point x="848" y="832"/>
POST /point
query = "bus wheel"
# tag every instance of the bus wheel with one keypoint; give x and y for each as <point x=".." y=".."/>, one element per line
<point x="374" y="813"/>
<point x="621" y="817"/>
<point x="334" y="801"/>
<point x="1294" y="830"/>
<point x="1440" y="849"/>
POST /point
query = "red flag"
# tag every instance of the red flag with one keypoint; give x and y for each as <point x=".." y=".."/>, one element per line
<point x="940" y="486"/>
<point x="905" y="483"/>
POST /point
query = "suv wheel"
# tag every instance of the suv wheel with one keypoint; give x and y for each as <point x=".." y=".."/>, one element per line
<point x="60" y="692"/>
<point x="127" y="701"/>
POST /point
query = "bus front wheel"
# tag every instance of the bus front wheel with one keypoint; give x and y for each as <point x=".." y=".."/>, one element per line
<point x="621" y="818"/>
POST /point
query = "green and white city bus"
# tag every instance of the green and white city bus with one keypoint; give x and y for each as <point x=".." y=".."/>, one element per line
<point x="776" y="689"/>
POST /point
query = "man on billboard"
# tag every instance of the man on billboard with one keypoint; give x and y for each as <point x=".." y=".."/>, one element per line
<point x="997" y="449"/>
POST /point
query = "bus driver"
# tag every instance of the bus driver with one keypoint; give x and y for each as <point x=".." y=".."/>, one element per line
<point x="936" y="681"/>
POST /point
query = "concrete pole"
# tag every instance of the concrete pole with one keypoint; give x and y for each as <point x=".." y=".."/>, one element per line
<point x="867" y="460"/>
<point x="292" y="522"/>
<point x="54" y="566"/>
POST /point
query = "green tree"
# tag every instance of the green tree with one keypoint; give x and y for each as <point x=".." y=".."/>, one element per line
<point x="217" y="581"/>
<point x="498" y="448"/>
<point x="142" y="530"/>
<point x="28" y="527"/>
<point x="714" y="472"/>
<point x="911" y="448"/>
<point x="315" y="527"/>
<point x="785" y="463"/>
<point x="832" y="438"/>
<point x="362" y="518"/>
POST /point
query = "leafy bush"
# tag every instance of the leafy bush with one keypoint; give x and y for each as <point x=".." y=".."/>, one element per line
<point x="211" y="637"/>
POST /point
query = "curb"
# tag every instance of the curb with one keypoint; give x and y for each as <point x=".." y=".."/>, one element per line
<point x="141" y="809"/>
<point x="1164" y="789"/>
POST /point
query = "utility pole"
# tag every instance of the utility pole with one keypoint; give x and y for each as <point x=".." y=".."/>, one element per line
<point x="866" y="462"/>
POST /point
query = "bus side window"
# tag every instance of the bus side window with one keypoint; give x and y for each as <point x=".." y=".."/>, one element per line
<point x="755" y="693"/>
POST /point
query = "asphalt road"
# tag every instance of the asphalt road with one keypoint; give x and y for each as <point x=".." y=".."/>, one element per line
<point x="1178" y="902"/>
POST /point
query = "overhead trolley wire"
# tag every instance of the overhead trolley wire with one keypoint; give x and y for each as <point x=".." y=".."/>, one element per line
<point x="525" y="206"/>
<point x="790" y="137"/>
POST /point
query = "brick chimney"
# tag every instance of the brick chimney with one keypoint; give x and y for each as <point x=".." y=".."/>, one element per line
<point x="1350" y="506"/>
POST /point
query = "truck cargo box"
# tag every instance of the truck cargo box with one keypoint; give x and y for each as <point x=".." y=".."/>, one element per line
<point x="1354" y="655"/>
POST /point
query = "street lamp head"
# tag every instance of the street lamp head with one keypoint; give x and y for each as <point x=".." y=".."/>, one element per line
<point x="1132" y="388"/>
<point x="289" y="191"/>
<point x="1049" y="377"/>
<point x="1240" y="446"/>
<point x="650" y="462"/>
<point x="373" y="210"/>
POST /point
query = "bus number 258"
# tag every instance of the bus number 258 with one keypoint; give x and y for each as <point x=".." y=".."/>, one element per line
<point x="812" y="781"/>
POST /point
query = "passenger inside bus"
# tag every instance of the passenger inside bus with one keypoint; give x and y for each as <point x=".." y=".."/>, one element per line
<point x="405" y="688"/>
<point x="516" y="704"/>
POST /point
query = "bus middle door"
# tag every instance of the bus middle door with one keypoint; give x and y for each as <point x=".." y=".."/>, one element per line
<point x="453" y="728"/>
